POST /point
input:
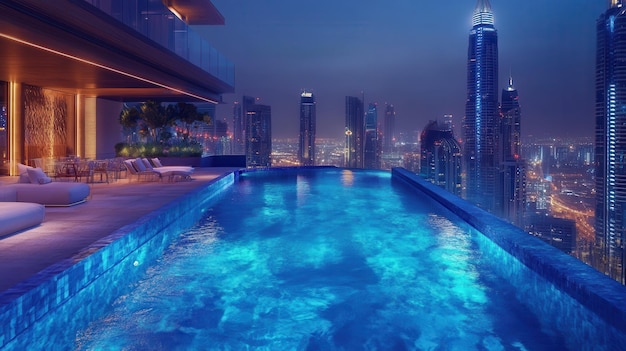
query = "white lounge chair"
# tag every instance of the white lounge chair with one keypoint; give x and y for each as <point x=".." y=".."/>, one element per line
<point x="135" y="172"/>
<point x="172" y="172"/>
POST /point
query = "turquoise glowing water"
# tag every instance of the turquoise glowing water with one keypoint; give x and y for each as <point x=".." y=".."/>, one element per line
<point x="332" y="260"/>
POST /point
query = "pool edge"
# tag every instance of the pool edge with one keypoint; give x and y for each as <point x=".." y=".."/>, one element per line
<point x="592" y="289"/>
<point x="30" y="300"/>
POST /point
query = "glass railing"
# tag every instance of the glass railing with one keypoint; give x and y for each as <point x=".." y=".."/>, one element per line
<point x="154" y="20"/>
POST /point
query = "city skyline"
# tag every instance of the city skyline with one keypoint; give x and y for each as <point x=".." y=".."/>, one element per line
<point x="411" y="55"/>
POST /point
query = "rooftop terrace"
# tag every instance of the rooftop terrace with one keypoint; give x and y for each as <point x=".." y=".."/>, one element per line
<point x="66" y="231"/>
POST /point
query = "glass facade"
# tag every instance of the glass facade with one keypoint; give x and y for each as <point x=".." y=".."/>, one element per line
<point x="354" y="132"/>
<point x="481" y="110"/>
<point x="440" y="157"/>
<point x="371" y="149"/>
<point x="306" y="151"/>
<point x="155" y="21"/>
<point x="259" y="136"/>
<point x="389" y="135"/>
<point x="610" y="142"/>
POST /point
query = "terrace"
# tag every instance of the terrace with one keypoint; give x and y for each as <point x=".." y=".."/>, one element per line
<point x="66" y="231"/>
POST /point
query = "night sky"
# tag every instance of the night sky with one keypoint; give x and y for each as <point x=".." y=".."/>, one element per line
<point x="411" y="54"/>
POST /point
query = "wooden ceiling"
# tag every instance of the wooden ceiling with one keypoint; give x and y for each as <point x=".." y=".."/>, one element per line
<point x="65" y="45"/>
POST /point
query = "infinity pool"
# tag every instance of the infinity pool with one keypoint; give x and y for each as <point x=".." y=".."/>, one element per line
<point x="317" y="259"/>
<point x="334" y="260"/>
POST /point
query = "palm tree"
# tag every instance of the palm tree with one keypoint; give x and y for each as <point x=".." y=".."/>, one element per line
<point x="129" y="119"/>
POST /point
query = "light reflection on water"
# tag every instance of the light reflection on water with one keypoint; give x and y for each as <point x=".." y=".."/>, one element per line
<point x="310" y="263"/>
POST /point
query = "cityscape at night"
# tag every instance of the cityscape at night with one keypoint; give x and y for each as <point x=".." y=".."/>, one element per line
<point x="329" y="175"/>
<point x="546" y="148"/>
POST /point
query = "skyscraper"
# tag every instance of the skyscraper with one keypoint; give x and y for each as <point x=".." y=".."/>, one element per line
<point x="354" y="132"/>
<point x="481" y="110"/>
<point x="389" y="131"/>
<point x="440" y="157"/>
<point x="371" y="158"/>
<point x="239" y="141"/>
<point x="306" y="152"/>
<point x="511" y="190"/>
<point x="610" y="143"/>
<point x="510" y="123"/>
<point x="258" y="136"/>
<point x="240" y="113"/>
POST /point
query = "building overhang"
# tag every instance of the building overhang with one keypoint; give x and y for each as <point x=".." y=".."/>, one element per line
<point x="71" y="46"/>
<point x="195" y="12"/>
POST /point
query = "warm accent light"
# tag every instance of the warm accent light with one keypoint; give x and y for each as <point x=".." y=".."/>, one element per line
<point x="79" y="131"/>
<point x="107" y="68"/>
<point x="176" y="13"/>
<point x="12" y="126"/>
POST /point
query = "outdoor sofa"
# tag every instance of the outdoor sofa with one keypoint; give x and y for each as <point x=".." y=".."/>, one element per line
<point x="34" y="186"/>
<point x="22" y="205"/>
<point x="16" y="216"/>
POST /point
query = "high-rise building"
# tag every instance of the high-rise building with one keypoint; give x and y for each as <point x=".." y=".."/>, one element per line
<point x="389" y="130"/>
<point x="371" y="156"/>
<point x="240" y="113"/>
<point x="258" y="136"/>
<point x="354" y="132"/>
<point x="480" y="125"/>
<point x="558" y="232"/>
<point x="447" y="122"/>
<point x="510" y="123"/>
<point x="440" y="157"/>
<point x="239" y="125"/>
<point x="512" y="167"/>
<point x="306" y="152"/>
<point x="610" y="143"/>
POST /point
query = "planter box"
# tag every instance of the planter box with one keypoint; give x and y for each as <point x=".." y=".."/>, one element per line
<point x="184" y="161"/>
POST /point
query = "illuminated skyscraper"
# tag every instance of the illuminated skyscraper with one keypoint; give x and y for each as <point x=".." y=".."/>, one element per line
<point x="306" y="152"/>
<point x="610" y="144"/>
<point x="440" y="157"/>
<point x="354" y="132"/>
<point x="240" y="112"/>
<point x="258" y="136"/>
<point x="389" y="131"/>
<point x="510" y="123"/>
<point x="239" y="141"/>
<point x="480" y="125"/>
<point x="512" y="187"/>
<point x="371" y="156"/>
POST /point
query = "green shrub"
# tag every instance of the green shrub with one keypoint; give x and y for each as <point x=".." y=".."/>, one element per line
<point x="178" y="149"/>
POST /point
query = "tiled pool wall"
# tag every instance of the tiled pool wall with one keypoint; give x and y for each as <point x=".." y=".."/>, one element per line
<point x="588" y="307"/>
<point x="70" y="292"/>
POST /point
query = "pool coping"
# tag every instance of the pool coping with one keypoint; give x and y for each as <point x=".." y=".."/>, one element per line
<point x="592" y="289"/>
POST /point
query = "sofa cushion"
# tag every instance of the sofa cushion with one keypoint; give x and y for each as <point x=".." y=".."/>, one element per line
<point x="146" y="163"/>
<point x="52" y="194"/>
<point x="23" y="172"/>
<point x="8" y="194"/>
<point x="16" y="216"/>
<point x="37" y="176"/>
<point x="138" y="163"/>
<point x="156" y="162"/>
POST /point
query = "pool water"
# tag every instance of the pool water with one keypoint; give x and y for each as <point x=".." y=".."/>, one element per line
<point x="322" y="260"/>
